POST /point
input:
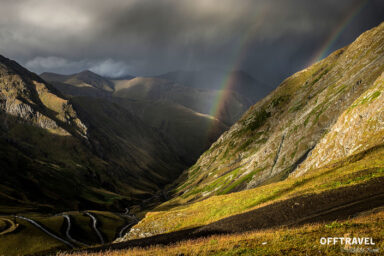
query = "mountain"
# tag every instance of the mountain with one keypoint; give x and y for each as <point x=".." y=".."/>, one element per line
<point x="277" y="134"/>
<point x="85" y="78"/>
<point x="48" y="143"/>
<point x="199" y="100"/>
<point x="189" y="132"/>
<point x="26" y="96"/>
<point x="308" y="153"/>
<point x="85" y="83"/>
<point x="124" y="77"/>
<point x="180" y="113"/>
<point x="202" y="98"/>
<point x="303" y="163"/>
<point x="236" y="81"/>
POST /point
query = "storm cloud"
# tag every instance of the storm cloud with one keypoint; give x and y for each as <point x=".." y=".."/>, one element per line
<point x="269" y="39"/>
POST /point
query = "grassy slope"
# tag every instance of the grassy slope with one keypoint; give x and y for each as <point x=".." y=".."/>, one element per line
<point x="352" y="168"/>
<point x="351" y="171"/>
<point x="83" y="79"/>
<point x="41" y="130"/>
<point x="43" y="147"/>
<point x="302" y="240"/>
<point x="110" y="224"/>
<point x="65" y="163"/>
<point x="202" y="101"/>
<point x="189" y="131"/>
<point x="27" y="239"/>
<point x="126" y="141"/>
<point x="278" y="132"/>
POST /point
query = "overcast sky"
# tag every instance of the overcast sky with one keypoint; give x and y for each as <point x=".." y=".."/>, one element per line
<point x="269" y="39"/>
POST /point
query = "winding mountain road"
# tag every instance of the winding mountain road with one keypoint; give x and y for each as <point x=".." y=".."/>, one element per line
<point x="94" y="225"/>
<point x="46" y="231"/>
<point x="9" y="227"/>
<point x="133" y="220"/>
<point x="69" y="225"/>
<point x="124" y="229"/>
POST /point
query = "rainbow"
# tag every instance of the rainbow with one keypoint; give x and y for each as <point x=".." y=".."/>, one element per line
<point x="324" y="50"/>
<point x="239" y="53"/>
<point x="243" y="45"/>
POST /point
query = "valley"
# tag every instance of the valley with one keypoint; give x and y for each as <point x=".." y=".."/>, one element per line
<point x="178" y="164"/>
<point x="306" y="157"/>
<point x="82" y="145"/>
<point x="44" y="233"/>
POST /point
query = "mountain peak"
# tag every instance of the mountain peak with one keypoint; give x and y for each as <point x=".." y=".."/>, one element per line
<point x="87" y="72"/>
<point x="276" y="136"/>
<point x="85" y="78"/>
<point x="25" y="95"/>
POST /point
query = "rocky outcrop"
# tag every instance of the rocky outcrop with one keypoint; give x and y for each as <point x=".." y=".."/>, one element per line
<point x="288" y="131"/>
<point x="358" y="129"/>
<point x="26" y="96"/>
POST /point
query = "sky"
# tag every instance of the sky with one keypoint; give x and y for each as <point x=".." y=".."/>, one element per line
<point x="269" y="39"/>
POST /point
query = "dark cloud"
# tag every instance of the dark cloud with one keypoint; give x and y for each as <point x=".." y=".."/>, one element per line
<point x="270" y="39"/>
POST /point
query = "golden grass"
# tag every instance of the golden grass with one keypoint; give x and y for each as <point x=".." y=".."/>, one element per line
<point x="218" y="207"/>
<point x="304" y="240"/>
<point x="7" y="226"/>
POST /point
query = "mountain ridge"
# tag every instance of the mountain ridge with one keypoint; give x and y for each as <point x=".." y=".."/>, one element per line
<point x="49" y="142"/>
<point x="278" y="133"/>
<point x="320" y="132"/>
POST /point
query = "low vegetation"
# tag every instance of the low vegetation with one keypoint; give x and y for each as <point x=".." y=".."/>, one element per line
<point x="303" y="240"/>
<point x="7" y="226"/>
<point x="351" y="171"/>
<point x="19" y="237"/>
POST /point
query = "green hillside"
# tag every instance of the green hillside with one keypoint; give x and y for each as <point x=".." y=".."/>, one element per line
<point x="310" y="151"/>
<point x="277" y="134"/>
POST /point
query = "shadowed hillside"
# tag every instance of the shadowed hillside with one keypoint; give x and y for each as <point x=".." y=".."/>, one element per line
<point x="49" y="143"/>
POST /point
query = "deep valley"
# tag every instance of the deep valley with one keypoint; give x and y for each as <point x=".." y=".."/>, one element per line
<point x="178" y="164"/>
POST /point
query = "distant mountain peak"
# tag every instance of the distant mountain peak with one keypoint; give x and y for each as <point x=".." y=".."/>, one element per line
<point x="88" y="72"/>
<point x="81" y="79"/>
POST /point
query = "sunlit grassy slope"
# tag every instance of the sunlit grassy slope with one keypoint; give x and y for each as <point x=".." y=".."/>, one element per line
<point x="347" y="143"/>
<point x="304" y="240"/>
<point x="354" y="170"/>
<point x="279" y="132"/>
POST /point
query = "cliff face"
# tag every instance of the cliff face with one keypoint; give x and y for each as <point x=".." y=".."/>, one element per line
<point x="58" y="153"/>
<point x="359" y="128"/>
<point x="24" y="95"/>
<point x="317" y="115"/>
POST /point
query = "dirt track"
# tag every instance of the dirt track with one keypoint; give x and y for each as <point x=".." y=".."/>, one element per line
<point x="8" y="226"/>
<point x="331" y="205"/>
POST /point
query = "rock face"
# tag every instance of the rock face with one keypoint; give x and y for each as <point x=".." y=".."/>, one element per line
<point x="359" y="128"/>
<point x="25" y="95"/>
<point x="325" y="112"/>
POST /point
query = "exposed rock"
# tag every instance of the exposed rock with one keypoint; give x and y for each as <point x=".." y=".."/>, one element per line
<point x="24" y="95"/>
<point x="283" y="132"/>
